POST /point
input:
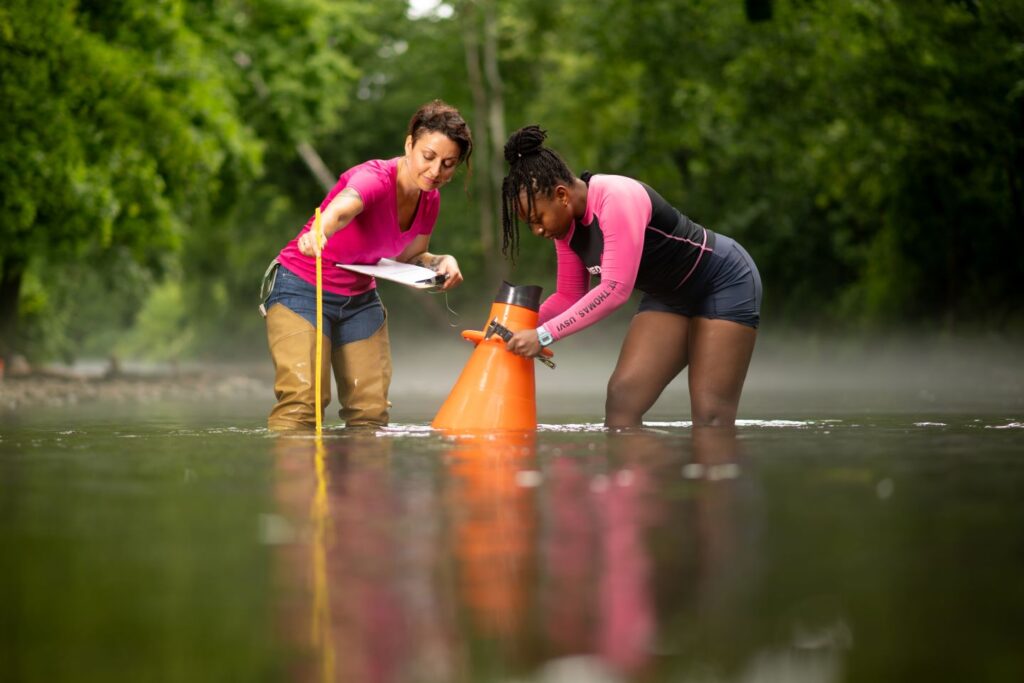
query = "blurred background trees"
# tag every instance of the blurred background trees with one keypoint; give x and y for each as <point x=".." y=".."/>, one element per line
<point x="155" y="155"/>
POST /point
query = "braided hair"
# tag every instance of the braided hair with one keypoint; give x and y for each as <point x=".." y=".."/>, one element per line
<point x="533" y="168"/>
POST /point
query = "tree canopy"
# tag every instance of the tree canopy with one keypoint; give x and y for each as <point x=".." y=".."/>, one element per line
<point x="155" y="155"/>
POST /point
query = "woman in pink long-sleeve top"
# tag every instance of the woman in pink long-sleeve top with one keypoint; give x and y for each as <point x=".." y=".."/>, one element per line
<point x="702" y="292"/>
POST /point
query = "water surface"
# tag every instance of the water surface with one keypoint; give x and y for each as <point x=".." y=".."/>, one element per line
<point x="184" y="542"/>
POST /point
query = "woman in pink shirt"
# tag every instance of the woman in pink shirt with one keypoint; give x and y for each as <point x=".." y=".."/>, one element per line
<point x="702" y="292"/>
<point x="380" y="208"/>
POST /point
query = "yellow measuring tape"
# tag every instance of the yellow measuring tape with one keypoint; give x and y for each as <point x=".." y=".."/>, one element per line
<point x="318" y="233"/>
<point x="321" y="626"/>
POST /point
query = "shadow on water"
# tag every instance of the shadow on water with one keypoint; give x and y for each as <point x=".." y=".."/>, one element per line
<point x="186" y="543"/>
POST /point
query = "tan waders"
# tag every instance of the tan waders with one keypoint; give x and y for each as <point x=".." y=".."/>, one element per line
<point x="362" y="370"/>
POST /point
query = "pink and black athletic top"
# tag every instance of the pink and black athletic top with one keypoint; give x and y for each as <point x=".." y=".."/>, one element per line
<point x="633" y="239"/>
<point x="370" y="236"/>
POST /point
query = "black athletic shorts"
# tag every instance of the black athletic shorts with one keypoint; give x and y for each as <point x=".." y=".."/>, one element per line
<point x="726" y="287"/>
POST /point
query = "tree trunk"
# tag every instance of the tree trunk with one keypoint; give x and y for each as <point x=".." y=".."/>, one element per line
<point x="495" y="122"/>
<point x="485" y="198"/>
<point x="488" y="125"/>
<point x="758" y="10"/>
<point x="13" y="268"/>
<point x="316" y="165"/>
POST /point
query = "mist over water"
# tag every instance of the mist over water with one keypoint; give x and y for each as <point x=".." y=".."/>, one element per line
<point x="788" y="376"/>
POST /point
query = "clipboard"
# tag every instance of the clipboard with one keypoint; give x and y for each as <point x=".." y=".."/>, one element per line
<point x="406" y="274"/>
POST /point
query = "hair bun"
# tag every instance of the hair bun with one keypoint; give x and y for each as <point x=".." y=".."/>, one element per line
<point x="525" y="142"/>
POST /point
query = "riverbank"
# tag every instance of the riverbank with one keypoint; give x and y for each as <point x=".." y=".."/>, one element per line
<point x="58" y="387"/>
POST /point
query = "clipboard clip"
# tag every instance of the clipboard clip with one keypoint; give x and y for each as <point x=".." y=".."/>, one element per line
<point x="438" y="279"/>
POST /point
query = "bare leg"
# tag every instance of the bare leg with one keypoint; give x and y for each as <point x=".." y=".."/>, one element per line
<point x="720" y="352"/>
<point x="654" y="352"/>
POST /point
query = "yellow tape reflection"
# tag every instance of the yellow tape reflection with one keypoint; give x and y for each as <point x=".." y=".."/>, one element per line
<point x="319" y="513"/>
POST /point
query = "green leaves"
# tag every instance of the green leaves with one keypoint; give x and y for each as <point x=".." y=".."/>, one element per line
<point x="868" y="153"/>
<point x="851" y="146"/>
<point x="138" y="126"/>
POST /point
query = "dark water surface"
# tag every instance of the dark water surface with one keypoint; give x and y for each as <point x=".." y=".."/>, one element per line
<point x="184" y="543"/>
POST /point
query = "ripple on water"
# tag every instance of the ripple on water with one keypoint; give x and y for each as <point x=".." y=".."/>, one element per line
<point x="399" y="430"/>
<point x="598" y="427"/>
<point x="1011" y="425"/>
<point x="783" y="424"/>
<point x="405" y="430"/>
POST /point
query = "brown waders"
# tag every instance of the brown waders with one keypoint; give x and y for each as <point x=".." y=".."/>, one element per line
<point x="362" y="370"/>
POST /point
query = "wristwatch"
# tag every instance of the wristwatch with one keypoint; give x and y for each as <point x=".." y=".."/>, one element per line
<point x="544" y="337"/>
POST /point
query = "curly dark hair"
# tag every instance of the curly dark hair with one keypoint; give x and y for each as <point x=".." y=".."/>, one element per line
<point x="533" y="168"/>
<point x="441" y="117"/>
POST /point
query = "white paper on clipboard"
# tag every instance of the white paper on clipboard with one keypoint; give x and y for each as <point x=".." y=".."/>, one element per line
<point x="402" y="273"/>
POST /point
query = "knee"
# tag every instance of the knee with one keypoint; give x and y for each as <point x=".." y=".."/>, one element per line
<point x="620" y="408"/>
<point x="619" y="390"/>
<point x="713" y="420"/>
<point x="712" y="412"/>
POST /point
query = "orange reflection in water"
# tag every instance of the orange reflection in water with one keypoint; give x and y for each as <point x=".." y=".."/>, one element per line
<point x="491" y="507"/>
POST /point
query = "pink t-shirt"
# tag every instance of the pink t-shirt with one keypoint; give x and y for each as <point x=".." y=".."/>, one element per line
<point x="370" y="236"/>
<point x="623" y="210"/>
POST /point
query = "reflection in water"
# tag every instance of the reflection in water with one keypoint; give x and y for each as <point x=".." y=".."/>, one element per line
<point x="492" y="527"/>
<point x="597" y="596"/>
<point x="717" y="519"/>
<point x="569" y="552"/>
<point x="780" y="561"/>
<point x="319" y="514"/>
<point x="349" y="574"/>
<point x="608" y="560"/>
<point x="725" y="512"/>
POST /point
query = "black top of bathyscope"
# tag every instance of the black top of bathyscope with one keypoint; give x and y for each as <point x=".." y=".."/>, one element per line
<point x="527" y="296"/>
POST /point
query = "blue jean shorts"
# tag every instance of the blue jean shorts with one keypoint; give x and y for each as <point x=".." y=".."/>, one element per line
<point x="346" y="319"/>
<point x="727" y="287"/>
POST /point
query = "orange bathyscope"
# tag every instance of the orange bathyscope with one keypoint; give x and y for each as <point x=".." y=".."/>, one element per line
<point x="496" y="390"/>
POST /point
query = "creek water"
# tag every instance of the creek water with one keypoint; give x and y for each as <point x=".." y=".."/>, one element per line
<point x="864" y="539"/>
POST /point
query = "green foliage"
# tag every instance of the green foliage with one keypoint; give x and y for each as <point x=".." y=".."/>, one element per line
<point x="85" y="310"/>
<point x="162" y="330"/>
<point x="120" y="135"/>
<point x="138" y="129"/>
<point x="120" y="128"/>
<point x="867" y="153"/>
